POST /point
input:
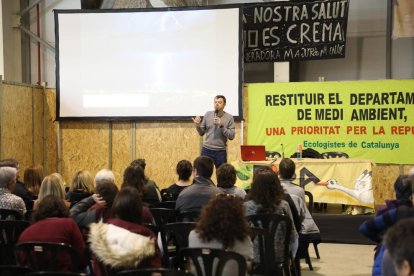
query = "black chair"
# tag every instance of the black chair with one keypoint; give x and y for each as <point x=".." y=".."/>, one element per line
<point x="273" y="154"/>
<point x="10" y="231"/>
<point x="15" y="270"/>
<point x="213" y="262"/>
<point x="277" y="225"/>
<point x="334" y="154"/>
<point x="174" y="239"/>
<point x="163" y="215"/>
<point x="46" y="256"/>
<point x="149" y="271"/>
<point x="266" y="250"/>
<point x="10" y="214"/>
<point x="167" y="204"/>
<point x="315" y="240"/>
<point x="56" y="273"/>
<point x="188" y="216"/>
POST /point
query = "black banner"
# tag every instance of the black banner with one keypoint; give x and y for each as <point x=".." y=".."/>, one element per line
<point x="291" y="31"/>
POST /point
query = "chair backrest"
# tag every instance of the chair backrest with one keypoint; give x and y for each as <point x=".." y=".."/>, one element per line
<point x="273" y="154"/>
<point x="163" y="215"/>
<point x="310" y="201"/>
<point x="47" y="256"/>
<point x="167" y="204"/>
<point x="213" y="262"/>
<point x="264" y="264"/>
<point x="334" y="154"/>
<point x="10" y="231"/>
<point x="188" y="216"/>
<point x="15" y="270"/>
<point x="55" y="273"/>
<point x="166" y="196"/>
<point x="279" y="227"/>
<point x="10" y="214"/>
<point x="150" y="271"/>
<point x="175" y="234"/>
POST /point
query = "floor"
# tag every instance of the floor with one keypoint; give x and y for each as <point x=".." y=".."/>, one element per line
<point x="340" y="260"/>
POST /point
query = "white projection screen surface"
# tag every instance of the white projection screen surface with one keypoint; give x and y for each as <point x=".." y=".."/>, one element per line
<point x="154" y="64"/>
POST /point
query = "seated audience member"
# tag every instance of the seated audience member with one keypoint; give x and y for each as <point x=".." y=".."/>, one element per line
<point x="223" y="225"/>
<point x="194" y="197"/>
<point x="32" y="179"/>
<point x="226" y="178"/>
<point x="266" y="197"/>
<point x="81" y="187"/>
<point x="184" y="170"/>
<point x="95" y="207"/>
<point x="402" y="192"/>
<point x="374" y="228"/>
<point x="399" y="241"/>
<point x="51" y="223"/>
<point x="53" y="184"/>
<point x="8" y="200"/>
<point x="286" y="175"/>
<point x="123" y="242"/>
<point x="148" y="182"/>
<point x="104" y="175"/>
<point x="20" y="189"/>
<point x="134" y="177"/>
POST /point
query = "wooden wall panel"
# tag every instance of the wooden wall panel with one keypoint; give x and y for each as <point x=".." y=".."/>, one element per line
<point x="84" y="147"/>
<point x="50" y="164"/>
<point x="16" y="124"/>
<point x="121" y="148"/>
<point x="163" y="144"/>
<point x="38" y="125"/>
<point x="384" y="176"/>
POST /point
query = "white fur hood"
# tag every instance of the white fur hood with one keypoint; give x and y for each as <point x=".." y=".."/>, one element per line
<point x="118" y="247"/>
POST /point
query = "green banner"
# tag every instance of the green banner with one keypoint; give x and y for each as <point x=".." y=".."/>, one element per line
<point x="366" y="119"/>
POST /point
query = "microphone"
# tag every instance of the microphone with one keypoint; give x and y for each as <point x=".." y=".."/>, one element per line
<point x="283" y="152"/>
<point x="215" y="116"/>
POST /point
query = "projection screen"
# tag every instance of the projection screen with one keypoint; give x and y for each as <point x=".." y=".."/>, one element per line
<point x="148" y="64"/>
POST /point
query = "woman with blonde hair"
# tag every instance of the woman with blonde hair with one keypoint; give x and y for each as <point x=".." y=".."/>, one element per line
<point x="82" y="186"/>
<point x="53" y="184"/>
<point x="33" y="176"/>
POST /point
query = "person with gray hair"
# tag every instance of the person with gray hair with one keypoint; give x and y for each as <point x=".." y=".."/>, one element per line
<point x="104" y="175"/>
<point x="7" y="184"/>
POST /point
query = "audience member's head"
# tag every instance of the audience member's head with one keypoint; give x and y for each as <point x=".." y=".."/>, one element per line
<point x="32" y="178"/>
<point x="104" y="175"/>
<point x="402" y="187"/>
<point x="11" y="162"/>
<point x="139" y="162"/>
<point x="8" y="177"/>
<point x="287" y="168"/>
<point x="51" y="206"/>
<point x="128" y="205"/>
<point x="411" y="171"/>
<point x="52" y="184"/>
<point x="184" y="170"/>
<point x="203" y="166"/>
<point x="266" y="190"/>
<point x="134" y="177"/>
<point x="82" y="182"/>
<point x="399" y="240"/>
<point x="223" y="219"/>
<point x="107" y="190"/>
<point x="226" y="176"/>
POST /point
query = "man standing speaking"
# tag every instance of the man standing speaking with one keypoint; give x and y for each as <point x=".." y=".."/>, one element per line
<point x="218" y="126"/>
